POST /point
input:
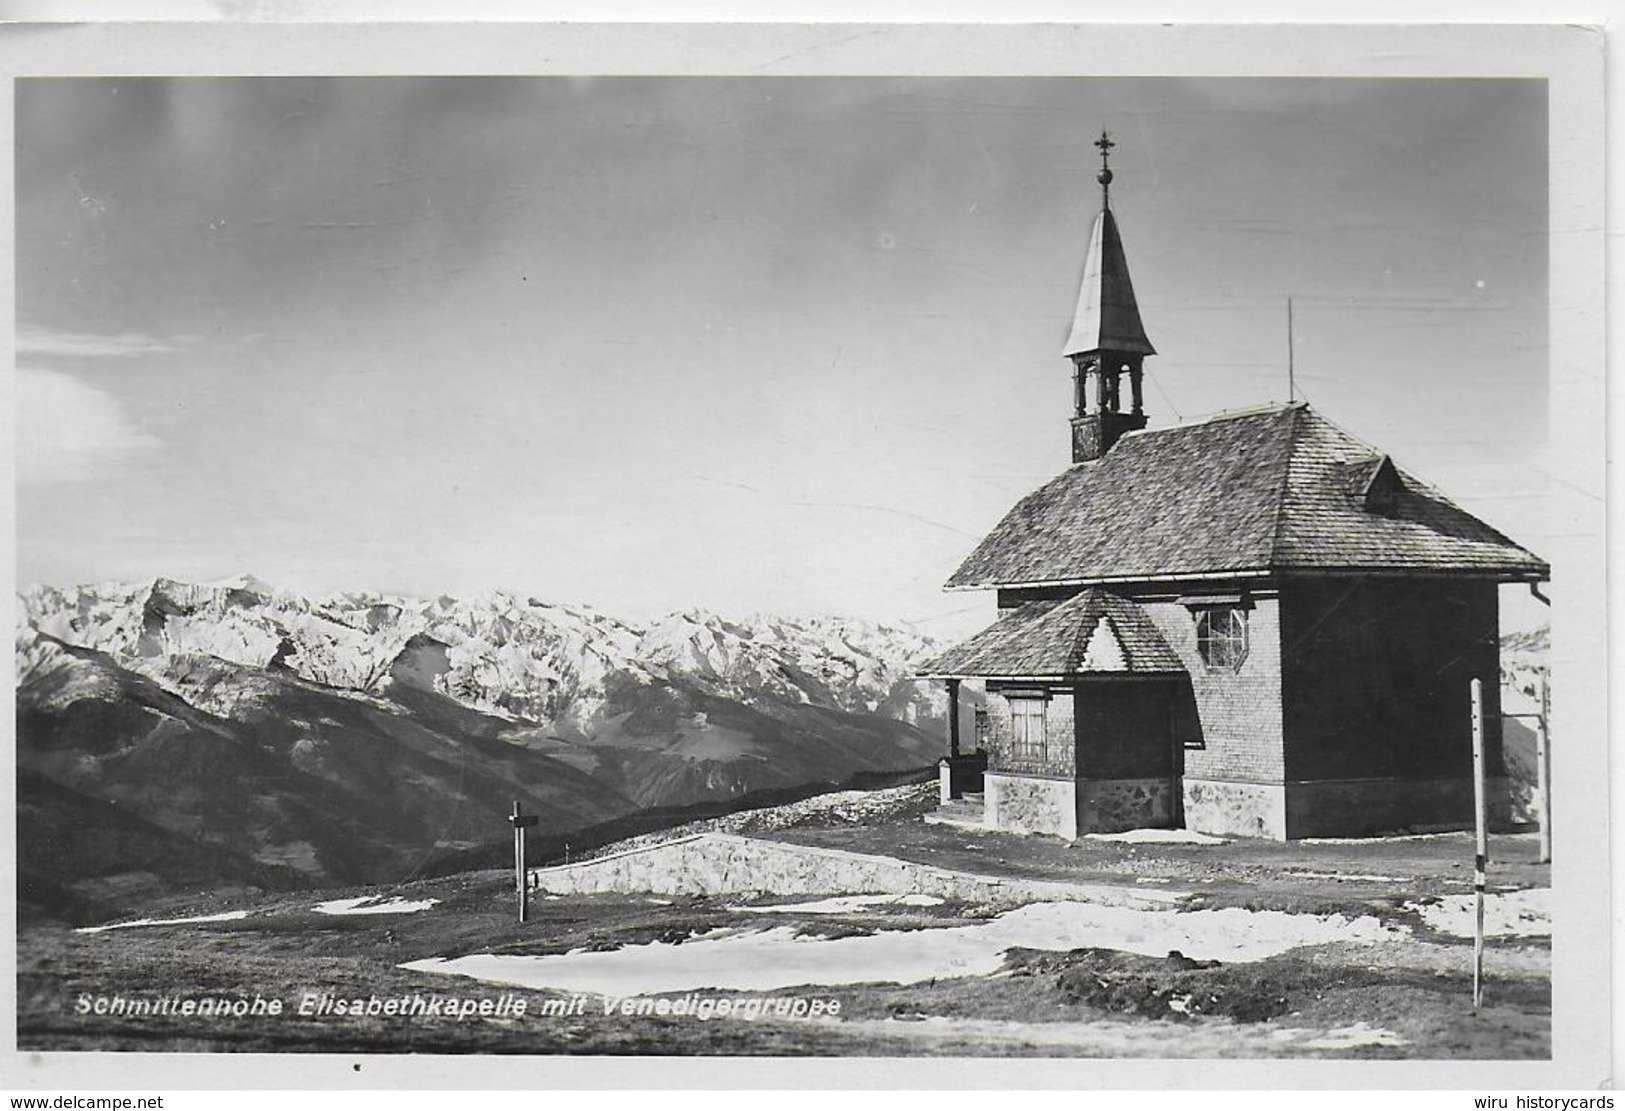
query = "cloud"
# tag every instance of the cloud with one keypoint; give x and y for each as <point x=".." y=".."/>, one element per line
<point x="67" y="430"/>
<point x="46" y="343"/>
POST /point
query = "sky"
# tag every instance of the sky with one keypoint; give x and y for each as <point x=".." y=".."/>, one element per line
<point x="750" y="344"/>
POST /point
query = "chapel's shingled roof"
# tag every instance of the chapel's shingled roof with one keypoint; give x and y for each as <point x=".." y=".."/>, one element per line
<point x="1094" y="631"/>
<point x="1266" y="490"/>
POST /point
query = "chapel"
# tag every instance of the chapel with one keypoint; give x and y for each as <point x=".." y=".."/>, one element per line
<point x="1252" y="625"/>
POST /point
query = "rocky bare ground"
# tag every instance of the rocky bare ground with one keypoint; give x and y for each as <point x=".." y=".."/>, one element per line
<point x="1366" y="960"/>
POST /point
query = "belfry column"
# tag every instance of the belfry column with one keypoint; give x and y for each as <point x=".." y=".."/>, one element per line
<point x="1107" y="338"/>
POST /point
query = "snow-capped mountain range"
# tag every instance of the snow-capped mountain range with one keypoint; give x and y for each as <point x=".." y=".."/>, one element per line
<point x="499" y="653"/>
<point x="178" y="736"/>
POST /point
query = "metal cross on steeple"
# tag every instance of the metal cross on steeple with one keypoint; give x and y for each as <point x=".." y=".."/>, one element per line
<point x="1105" y="175"/>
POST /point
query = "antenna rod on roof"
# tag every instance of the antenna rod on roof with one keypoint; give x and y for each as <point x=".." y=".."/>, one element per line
<point x="1291" y="383"/>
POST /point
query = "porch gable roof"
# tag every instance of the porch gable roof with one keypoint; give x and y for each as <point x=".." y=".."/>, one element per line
<point x="1092" y="633"/>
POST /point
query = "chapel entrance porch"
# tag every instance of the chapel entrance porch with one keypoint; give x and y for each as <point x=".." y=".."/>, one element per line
<point x="1098" y="754"/>
<point x="1082" y="697"/>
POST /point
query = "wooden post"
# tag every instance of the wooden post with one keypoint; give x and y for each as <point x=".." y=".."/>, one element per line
<point x="1543" y="767"/>
<point x="521" y="822"/>
<point x="953" y="717"/>
<point x="1480" y="844"/>
<point x="519" y="884"/>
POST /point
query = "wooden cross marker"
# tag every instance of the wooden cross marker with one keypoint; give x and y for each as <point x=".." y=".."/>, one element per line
<point x="521" y="822"/>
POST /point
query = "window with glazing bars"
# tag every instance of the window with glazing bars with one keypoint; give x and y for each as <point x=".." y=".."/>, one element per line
<point x="1221" y="638"/>
<point x="1027" y="730"/>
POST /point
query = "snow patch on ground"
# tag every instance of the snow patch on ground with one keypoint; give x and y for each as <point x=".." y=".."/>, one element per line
<point x="373" y="904"/>
<point x="1353" y="1037"/>
<point x="1377" y="840"/>
<point x="1158" y="837"/>
<point x="1525" y="913"/>
<point x="763" y="960"/>
<point x="228" y="916"/>
<point x="843" y="904"/>
<point x="1348" y="876"/>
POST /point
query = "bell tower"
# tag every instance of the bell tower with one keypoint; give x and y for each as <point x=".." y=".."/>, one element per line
<point x="1107" y="341"/>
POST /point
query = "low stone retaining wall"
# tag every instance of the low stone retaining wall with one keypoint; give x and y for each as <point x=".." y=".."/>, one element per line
<point x="728" y="864"/>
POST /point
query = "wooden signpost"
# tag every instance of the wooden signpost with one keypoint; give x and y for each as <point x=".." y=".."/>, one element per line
<point x="1480" y="844"/>
<point x="521" y="822"/>
<point x="1543" y="789"/>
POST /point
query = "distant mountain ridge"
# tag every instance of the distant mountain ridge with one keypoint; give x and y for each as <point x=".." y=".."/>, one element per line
<point x="1525" y="659"/>
<point x="506" y="655"/>
<point x="1525" y="666"/>
<point x="361" y="737"/>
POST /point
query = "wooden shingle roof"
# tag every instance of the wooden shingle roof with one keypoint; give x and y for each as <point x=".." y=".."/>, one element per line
<point x="1266" y="490"/>
<point x="1092" y="632"/>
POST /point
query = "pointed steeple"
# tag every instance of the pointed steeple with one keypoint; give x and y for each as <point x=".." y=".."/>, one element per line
<point x="1107" y="338"/>
<point x="1108" y="316"/>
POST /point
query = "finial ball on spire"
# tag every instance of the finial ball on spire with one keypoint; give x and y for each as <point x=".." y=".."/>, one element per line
<point x="1105" y="144"/>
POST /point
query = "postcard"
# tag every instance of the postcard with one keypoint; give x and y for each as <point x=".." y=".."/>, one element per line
<point x="1018" y="556"/>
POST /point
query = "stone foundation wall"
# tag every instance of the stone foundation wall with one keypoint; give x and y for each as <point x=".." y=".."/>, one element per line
<point x="1339" y="808"/>
<point x="1229" y="808"/>
<point x="1368" y="807"/>
<point x="1031" y="804"/>
<point x="1115" y="805"/>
